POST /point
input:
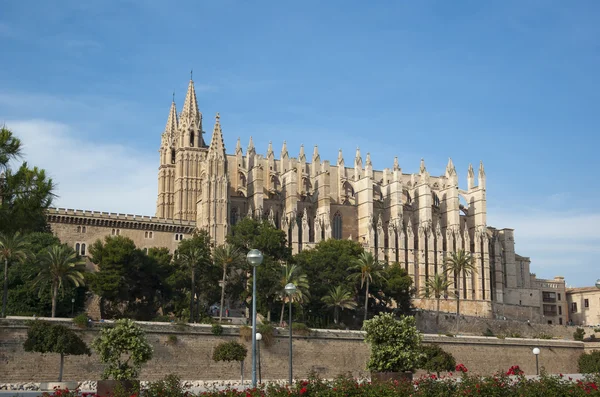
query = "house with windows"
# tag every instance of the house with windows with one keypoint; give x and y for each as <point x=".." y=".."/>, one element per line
<point x="584" y="306"/>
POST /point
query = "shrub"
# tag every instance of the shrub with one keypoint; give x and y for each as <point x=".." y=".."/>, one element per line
<point x="246" y="333"/>
<point x="543" y="335"/>
<point x="579" y="334"/>
<point x="81" y="320"/>
<point x="300" y="329"/>
<point x="395" y="344"/>
<point x="124" y="349"/>
<point x="596" y="329"/>
<point x="488" y="332"/>
<point x="216" y="329"/>
<point x="170" y="386"/>
<point x="44" y="337"/>
<point x="589" y="363"/>
<point x="513" y="334"/>
<point x="436" y="359"/>
<point x="449" y="335"/>
<point x="268" y="333"/>
<point x="172" y="339"/>
<point x="162" y="319"/>
<point x="230" y="351"/>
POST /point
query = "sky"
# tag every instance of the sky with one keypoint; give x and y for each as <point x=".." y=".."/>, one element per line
<point x="88" y="85"/>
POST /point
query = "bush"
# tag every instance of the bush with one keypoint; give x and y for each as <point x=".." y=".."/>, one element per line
<point x="268" y="333"/>
<point x="81" y="320"/>
<point x="170" y="386"/>
<point x="216" y="329"/>
<point x="395" y="344"/>
<point x="172" y="339"/>
<point x="579" y="334"/>
<point x="488" y="332"/>
<point x="230" y="351"/>
<point x="589" y="363"/>
<point x="436" y="360"/>
<point x="246" y="333"/>
<point x="543" y="336"/>
<point x="124" y="349"/>
<point x="300" y="329"/>
<point x="596" y="329"/>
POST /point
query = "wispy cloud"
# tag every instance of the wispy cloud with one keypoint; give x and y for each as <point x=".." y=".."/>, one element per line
<point x="89" y="174"/>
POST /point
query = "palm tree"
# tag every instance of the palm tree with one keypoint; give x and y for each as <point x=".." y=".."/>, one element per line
<point x="367" y="269"/>
<point x="436" y="286"/>
<point x="10" y="147"/>
<point x="226" y="256"/>
<point x="13" y="249"/>
<point x="459" y="263"/>
<point x="339" y="298"/>
<point x="59" y="265"/>
<point x="190" y="259"/>
<point x="295" y="275"/>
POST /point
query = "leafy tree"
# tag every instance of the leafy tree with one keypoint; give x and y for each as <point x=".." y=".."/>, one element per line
<point x="10" y="147"/>
<point x="295" y="275"/>
<point x="44" y="337"/>
<point x="589" y="363"/>
<point x="231" y="351"/>
<point x="228" y="258"/>
<point x="162" y="259"/>
<point x="396" y="285"/>
<point x="395" y="344"/>
<point x="435" y="359"/>
<point x="367" y="269"/>
<point x="437" y="286"/>
<point x="191" y="260"/>
<point x="13" y="250"/>
<point x="339" y="298"/>
<point x="59" y="265"/>
<point x="327" y="265"/>
<point x="124" y="349"/>
<point x="459" y="263"/>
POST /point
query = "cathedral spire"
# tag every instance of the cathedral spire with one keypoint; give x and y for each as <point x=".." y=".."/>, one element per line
<point x="340" y="159"/>
<point x="451" y="173"/>
<point x="250" y="145"/>
<point x="396" y="164"/>
<point x="368" y="160"/>
<point x="316" y="156"/>
<point x="284" y="150"/>
<point x="216" y="144"/>
<point x="422" y="168"/>
<point x="171" y="127"/>
<point x="238" y="146"/>
<point x="190" y="113"/>
<point x="470" y="177"/>
<point x="302" y="156"/>
<point x="270" y="149"/>
<point x="481" y="176"/>
<point x="358" y="159"/>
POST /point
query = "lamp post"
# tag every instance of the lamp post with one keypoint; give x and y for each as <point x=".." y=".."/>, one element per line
<point x="72" y="306"/>
<point x="258" y="339"/>
<point x="536" y="353"/>
<point x="255" y="258"/>
<point x="598" y="283"/>
<point x="290" y="289"/>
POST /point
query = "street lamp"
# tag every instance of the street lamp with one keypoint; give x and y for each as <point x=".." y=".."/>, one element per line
<point x="72" y="306"/>
<point x="255" y="258"/>
<point x="598" y="283"/>
<point x="258" y="339"/>
<point x="536" y="352"/>
<point x="290" y="289"/>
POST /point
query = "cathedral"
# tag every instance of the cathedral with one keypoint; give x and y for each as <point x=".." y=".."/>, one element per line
<point x="415" y="219"/>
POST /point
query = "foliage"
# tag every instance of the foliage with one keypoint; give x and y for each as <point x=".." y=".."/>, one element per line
<point x="295" y="275"/>
<point x="436" y="287"/>
<point x="300" y="329"/>
<point x="488" y="332"/>
<point x="216" y="329"/>
<point x="366" y="269"/>
<point x="230" y="351"/>
<point x="170" y="386"/>
<point x="13" y="250"/>
<point x="81" y="320"/>
<point x="589" y="363"/>
<point x="396" y="285"/>
<point x="246" y="333"/>
<point x="172" y="339"/>
<point x="124" y="349"/>
<point x="579" y="334"/>
<point x="395" y="344"/>
<point x="44" y="337"/>
<point x="457" y="264"/>
<point x="543" y="335"/>
<point x="230" y="259"/>
<point x="435" y="359"/>
<point x="268" y="333"/>
<point x="339" y="298"/>
<point x="59" y="265"/>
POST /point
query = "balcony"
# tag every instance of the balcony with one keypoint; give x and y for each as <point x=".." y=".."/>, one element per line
<point x="549" y="299"/>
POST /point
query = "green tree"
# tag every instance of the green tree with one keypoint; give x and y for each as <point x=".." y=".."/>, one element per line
<point x="163" y="259"/>
<point x="44" y="337"/>
<point x="59" y="266"/>
<point x="327" y="265"/>
<point x="339" y="298"/>
<point x="191" y="260"/>
<point x="436" y="287"/>
<point x="396" y="288"/>
<point x="229" y="259"/>
<point x="124" y="349"/>
<point x="366" y="270"/>
<point x="459" y="263"/>
<point x="435" y="359"/>
<point x="231" y="351"/>
<point x="10" y="147"/>
<point x="13" y="250"/>
<point x="295" y="275"/>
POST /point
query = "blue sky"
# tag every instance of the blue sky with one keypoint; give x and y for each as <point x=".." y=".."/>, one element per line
<point x="88" y="86"/>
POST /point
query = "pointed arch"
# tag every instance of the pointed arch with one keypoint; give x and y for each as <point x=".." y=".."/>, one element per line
<point x="336" y="231"/>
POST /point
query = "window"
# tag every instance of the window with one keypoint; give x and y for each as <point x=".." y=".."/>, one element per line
<point x="83" y="249"/>
<point x="146" y="251"/>
<point x="77" y="247"/>
<point x="78" y="229"/>
<point x="192" y="139"/>
<point x="560" y="321"/>
<point x="559" y="296"/>
<point x="148" y="235"/>
<point x="337" y="226"/>
<point x="560" y="310"/>
<point x="586" y="303"/>
<point x="172" y="156"/>
<point x="114" y="232"/>
<point x="178" y="237"/>
<point x="574" y="307"/>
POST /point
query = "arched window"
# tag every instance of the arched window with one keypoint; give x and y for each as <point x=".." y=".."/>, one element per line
<point x="113" y="232"/>
<point x="78" y="229"/>
<point x="192" y="139"/>
<point x="146" y="235"/>
<point x="337" y="226"/>
<point x="172" y="156"/>
<point x="233" y="216"/>
<point x="83" y="229"/>
<point x="83" y="249"/>
<point x="77" y="248"/>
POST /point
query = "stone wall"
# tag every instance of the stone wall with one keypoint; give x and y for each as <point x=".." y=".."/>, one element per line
<point x="329" y="353"/>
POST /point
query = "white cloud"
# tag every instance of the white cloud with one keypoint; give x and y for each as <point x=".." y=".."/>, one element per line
<point x="89" y="174"/>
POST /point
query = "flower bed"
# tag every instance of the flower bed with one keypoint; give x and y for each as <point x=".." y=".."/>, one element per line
<point x="465" y="384"/>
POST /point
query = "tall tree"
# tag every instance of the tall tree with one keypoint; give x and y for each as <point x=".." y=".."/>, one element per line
<point x="437" y="286"/>
<point x="366" y="270"/>
<point x="396" y="288"/>
<point x="228" y="258"/>
<point x="295" y="275"/>
<point x="10" y="147"/>
<point x="58" y="266"/>
<point x="459" y="263"/>
<point x="13" y="249"/>
<point x="191" y="260"/>
<point x="339" y="298"/>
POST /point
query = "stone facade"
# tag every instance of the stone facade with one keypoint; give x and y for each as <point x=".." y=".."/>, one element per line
<point x="584" y="306"/>
<point x="415" y="219"/>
